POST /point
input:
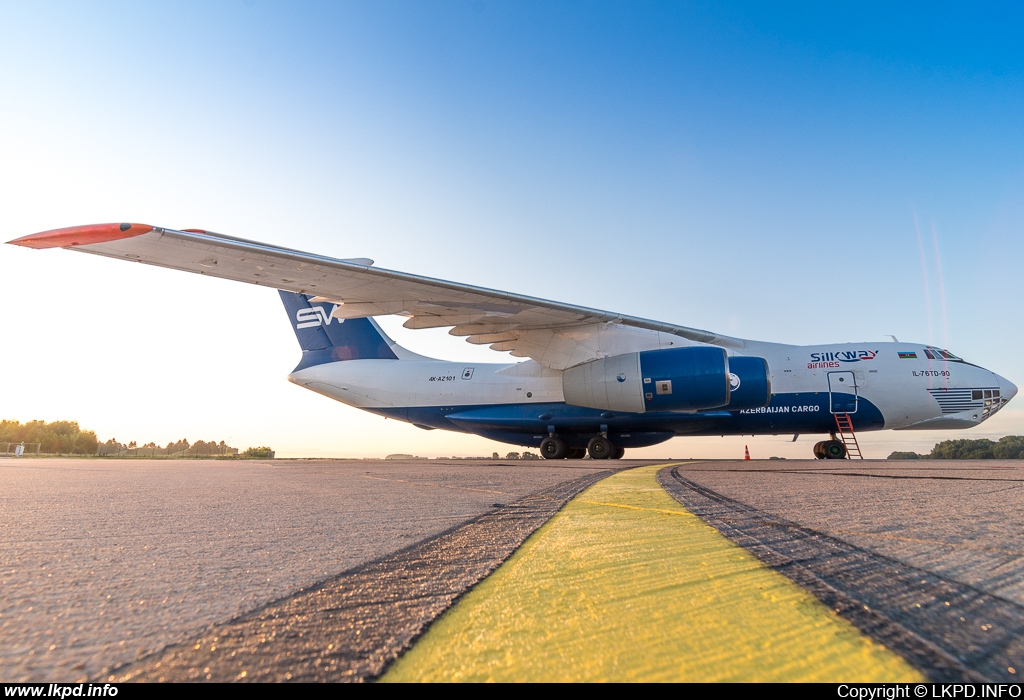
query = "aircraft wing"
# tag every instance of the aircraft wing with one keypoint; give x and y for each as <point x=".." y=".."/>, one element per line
<point x="554" y="334"/>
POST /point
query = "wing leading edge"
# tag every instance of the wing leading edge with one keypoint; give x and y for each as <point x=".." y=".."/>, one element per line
<point x="555" y="334"/>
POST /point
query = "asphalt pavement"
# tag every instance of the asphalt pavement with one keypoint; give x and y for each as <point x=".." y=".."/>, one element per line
<point x="106" y="561"/>
<point x="924" y="557"/>
<point x="327" y="570"/>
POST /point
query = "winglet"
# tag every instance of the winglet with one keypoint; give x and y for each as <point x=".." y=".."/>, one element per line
<point x="81" y="235"/>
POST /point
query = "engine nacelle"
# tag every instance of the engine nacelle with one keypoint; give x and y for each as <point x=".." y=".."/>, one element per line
<point x="676" y="379"/>
<point x="750" y="384"/>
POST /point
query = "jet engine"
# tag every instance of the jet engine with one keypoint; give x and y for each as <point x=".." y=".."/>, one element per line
<point x="750" y="383"/>
<point x="676" y="379"/>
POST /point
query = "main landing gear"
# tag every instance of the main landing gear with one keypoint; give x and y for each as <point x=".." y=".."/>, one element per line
<point x="830" y="449"/>
<point x="554" y="447"/>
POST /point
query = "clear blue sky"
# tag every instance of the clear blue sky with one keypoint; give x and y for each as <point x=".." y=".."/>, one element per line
<point x="754" y="169"/>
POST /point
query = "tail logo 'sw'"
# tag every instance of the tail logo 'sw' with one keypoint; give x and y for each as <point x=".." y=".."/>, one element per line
<point x="322" y="341"/>
<point x="315" y="316"/>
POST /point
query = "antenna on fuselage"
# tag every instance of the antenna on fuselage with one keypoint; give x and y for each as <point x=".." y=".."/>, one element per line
<point x="894" y="339"/>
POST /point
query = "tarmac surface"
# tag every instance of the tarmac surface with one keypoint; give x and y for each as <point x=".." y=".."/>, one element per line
<point x="923" y="555"/>
<point x="960" y="519"/>
<point x="106" y="561"/>
<point x="624" y="584"/>
<point x="140" y="569"/>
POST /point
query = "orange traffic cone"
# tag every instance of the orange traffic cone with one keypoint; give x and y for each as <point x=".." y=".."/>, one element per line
<point x="746" y="453"/>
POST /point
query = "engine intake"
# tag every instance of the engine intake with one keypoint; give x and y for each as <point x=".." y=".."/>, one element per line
<point x="675" y="379"/>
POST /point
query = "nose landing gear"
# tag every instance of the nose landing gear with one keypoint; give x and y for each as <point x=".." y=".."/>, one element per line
<point x="830" y="449"/>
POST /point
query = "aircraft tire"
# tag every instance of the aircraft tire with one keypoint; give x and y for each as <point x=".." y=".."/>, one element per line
<point x="554" y="448"/>
<point x="619" y="452"/>
<point x="577" y="453"/>
<point x="834" y="449"/>
<point x="819" y="450"/>
<point x="600" y="448"/>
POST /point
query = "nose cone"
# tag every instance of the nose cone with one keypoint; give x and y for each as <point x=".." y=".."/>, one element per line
<point x="1007" y="389"/>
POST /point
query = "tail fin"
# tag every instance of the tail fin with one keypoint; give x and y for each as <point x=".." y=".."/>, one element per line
<point x="324" y="338"/>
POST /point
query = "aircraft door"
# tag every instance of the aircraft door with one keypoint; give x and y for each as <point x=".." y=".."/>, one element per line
<point x="842" y="392"/>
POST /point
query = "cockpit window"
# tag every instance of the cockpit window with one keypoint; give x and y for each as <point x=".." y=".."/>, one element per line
<point x="940" y="354"/>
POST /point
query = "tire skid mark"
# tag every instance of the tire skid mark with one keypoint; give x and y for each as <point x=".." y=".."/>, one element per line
<point x="951" y="631"/>
<point x="818" y="472"/>
<point x="350" y="627"/>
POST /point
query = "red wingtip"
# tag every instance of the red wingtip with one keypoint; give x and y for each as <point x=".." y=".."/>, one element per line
<point x="81" y="235"/>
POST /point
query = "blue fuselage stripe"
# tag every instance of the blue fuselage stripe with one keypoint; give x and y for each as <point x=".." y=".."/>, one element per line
<point x="528" y="423"/>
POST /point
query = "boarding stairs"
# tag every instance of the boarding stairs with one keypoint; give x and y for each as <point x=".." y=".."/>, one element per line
<point x="844" y="425"/>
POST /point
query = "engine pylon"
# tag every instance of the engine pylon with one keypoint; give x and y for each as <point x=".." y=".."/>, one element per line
<point x="746" y="454"/>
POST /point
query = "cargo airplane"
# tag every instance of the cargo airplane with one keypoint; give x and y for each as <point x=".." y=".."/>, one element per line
<point x="595" y="382"/>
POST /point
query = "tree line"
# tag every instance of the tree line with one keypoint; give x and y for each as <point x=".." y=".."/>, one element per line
<point x="65" y="437"/>
<point x="1009" y="447"/>
<point x="58" y="437"/>
<point x="181" y="448"/>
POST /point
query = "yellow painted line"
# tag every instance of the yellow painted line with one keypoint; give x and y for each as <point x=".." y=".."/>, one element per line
<point x="684" y="513"/>
<point x="617" y="587"/>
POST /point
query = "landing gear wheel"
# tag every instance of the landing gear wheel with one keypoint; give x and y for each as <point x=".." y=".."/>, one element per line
<point x="819" y="450"/>
<point x="577" y="453"/>
<point x="553" y="448"/>
<point x="834" y="449"/>
<point x="600" y="448"/>
<point x="619" y="452"/>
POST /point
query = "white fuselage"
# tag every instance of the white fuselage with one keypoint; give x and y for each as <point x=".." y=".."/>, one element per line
<point x="910" y="390"/>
